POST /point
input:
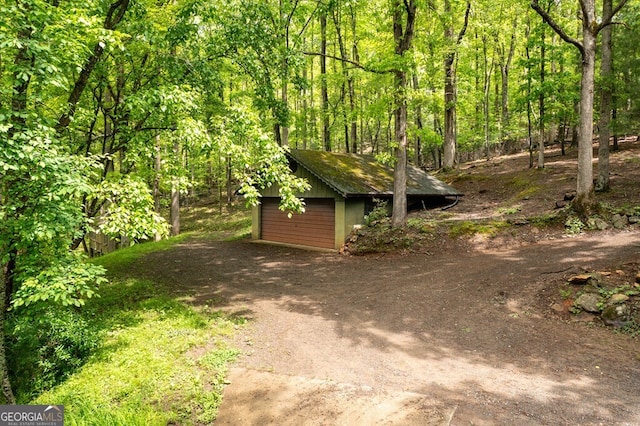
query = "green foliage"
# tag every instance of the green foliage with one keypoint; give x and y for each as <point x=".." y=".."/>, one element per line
<point x="177" y="379"/>
<point x="573" y="225"/>
<point x="129" y="209"/>
<point x="258" y="162"/>
<point x="69" y="281"/>
<point x="46" y="346"/>
<point x="379" y="212"/>
<point x="509" y="210"/>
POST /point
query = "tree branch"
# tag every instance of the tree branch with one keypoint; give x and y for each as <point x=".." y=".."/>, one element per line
<point x="554" y="25"/>
<point x="114" y="16"/>
<point x="608" y="20"/>
<point x="463" y="30"/>
<point x="349" y="61"/>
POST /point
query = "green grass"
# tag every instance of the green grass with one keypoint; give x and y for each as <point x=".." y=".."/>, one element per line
<point x="214" y="221"/>
<point x="123" y="258"/>
<point x="458" y="229"/>
<point x="158" y="361"/>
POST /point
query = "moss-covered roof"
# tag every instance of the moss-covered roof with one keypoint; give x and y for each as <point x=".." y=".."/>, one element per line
<point x="357" y="175"/>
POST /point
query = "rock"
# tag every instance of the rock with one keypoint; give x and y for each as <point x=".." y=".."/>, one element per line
<point x="620" y="221"/>
<point x="569" y="195"/>
<point x="616" y="316"/>
<point x="580" y="279"/>
<point x="616" y="299"/>
<point x="561" y="204"/>
<point x="588" y="302"/>
<point x="597" y="223"/>
<point x="583" y="317"/>
<point x="634" y="219"/>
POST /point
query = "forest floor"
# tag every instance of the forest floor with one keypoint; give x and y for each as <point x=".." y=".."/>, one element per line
<point x="473" y="330"/>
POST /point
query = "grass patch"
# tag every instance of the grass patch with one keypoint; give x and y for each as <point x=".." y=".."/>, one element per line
<point x="459" y="229"/>
<point x="159" y="361"/>
<point x="123" y="258"/>
<point x="224" y="222"/>
<point x="152" y="361"/>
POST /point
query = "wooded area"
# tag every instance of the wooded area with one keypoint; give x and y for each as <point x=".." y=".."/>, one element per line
<point x="111" y="111"/>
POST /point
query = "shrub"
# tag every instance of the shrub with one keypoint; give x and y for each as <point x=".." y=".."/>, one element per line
<point x="45" y="346"/>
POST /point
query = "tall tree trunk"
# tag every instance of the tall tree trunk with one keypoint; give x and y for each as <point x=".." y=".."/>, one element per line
<point x="156" y="181"/>
<point x="585" y="199"/>
<point x="352" y="85"/>
<point x="346" y="79"/>
<point x="326" y="135"/>
<point x="541" y="105"/>
<point x="7" y="392"/>
<point x="505" y="66"/>
<point x="450" y="137"/>
<point x="418" y="117"/>
<point x="175" y="197"/>
<point x="606" y="96"/>
<point x="403" y="31"/>
<point x="487" y="71"/>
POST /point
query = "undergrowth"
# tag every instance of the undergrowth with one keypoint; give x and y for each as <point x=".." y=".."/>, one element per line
<point x="132" y="356"/>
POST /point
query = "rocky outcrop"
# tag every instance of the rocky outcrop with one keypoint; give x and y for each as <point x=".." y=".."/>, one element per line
<point x="596" y="298"/>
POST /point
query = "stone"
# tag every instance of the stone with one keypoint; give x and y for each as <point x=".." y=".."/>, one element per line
<point x="580" y="279"/>
<point x="588" y="302"/>
<point x="561" y="204"/>
<point x="616" y="316"/>
<point x="569" y="195"/>
<point x="619" y="221"/>
<point x="618" y="298"/>
<point x="583" y="317"/>
<point x="597" y="223"/>
<point x="634" y="219"/>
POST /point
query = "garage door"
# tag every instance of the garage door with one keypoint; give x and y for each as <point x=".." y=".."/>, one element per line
<point x="315" y="227"/>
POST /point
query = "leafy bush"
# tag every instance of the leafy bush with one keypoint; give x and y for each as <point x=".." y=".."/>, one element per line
<point x="379" y="212"/>
<point x="45" y="346"/>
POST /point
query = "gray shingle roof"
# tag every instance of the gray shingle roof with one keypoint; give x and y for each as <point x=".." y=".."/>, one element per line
<point x="356" y="175"/>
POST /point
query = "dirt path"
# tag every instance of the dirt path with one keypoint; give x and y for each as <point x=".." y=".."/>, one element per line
<point x="459" y="338"/>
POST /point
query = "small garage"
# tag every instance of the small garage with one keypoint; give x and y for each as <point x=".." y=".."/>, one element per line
<point x="316" y="227"/>
<point x="343" y="189"/>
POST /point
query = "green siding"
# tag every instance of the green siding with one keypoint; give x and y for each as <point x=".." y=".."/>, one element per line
<point x="318" y="189"/>
<point x="354" y="215"/>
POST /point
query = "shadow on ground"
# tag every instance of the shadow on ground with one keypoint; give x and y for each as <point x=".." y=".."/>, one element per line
<point x="469" y="334"/>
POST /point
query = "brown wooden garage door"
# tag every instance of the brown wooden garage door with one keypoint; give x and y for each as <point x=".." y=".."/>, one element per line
<point x="315" y="227"/>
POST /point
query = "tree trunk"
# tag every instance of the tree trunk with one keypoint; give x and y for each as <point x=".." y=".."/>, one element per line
<point x="418" y="117"/>
<point x="399" y="216"/>
<point x="156" y="181"/>
<point x="450" y="137"/>
<point x="403" y="36"/>
<point x="7" y="392"/>
<point x="541" y="105"/>
<point x="175" y="197"/>
<point x="326" y="136"/>
<point x="606" y="95"/>
<point x="585" y="199"/>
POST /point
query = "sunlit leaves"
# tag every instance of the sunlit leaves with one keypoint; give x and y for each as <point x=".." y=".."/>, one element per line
<point x="128" y="210"/>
